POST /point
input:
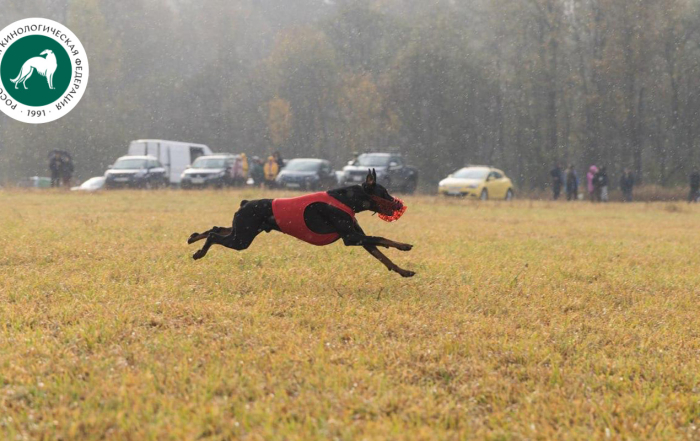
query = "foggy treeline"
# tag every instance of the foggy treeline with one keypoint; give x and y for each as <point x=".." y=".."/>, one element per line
<point x="518" y="84"/>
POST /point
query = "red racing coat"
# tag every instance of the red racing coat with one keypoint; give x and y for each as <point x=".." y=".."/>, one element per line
<point x="289" y="215"/>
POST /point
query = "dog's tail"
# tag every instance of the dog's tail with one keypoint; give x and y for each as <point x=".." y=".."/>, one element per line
<point x="243" y="202"/>
<point x="17" y="79"/>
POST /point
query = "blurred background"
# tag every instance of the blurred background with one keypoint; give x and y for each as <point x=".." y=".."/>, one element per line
<point x="519" y="84"/>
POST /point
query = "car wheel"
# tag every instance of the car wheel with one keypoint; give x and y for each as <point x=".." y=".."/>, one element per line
<point x="510" y="195"/>
<point x="484" y="195"/>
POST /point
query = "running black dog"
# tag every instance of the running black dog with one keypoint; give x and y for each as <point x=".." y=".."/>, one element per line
<point x="317" y="218"/>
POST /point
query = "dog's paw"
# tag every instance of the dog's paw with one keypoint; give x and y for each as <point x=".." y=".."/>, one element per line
<point x="404" y="247"/>
<point x="192" y="237"/>
<point x="406" y="273"/>
<point x="199" y="254"/>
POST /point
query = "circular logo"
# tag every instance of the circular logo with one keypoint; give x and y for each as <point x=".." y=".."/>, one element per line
<point x="43" y="70"/>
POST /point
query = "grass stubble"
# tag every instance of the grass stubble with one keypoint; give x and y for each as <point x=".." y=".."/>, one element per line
<point x="526" y="320"/>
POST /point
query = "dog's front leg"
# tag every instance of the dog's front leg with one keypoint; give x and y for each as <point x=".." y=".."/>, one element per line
<point x="382" y="242"/>
<point x="391" y="244"/>
<point x="391" y="266"/>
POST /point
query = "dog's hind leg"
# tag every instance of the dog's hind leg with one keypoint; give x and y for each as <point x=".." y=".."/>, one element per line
<point x="224" y="231"/>
<point x="235" y="241"/>
<point x="194" y="237"/>
<point x="247" y="224"/>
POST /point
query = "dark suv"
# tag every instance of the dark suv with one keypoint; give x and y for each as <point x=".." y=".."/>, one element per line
<point x="307" y="174"/>
<point x="136" y="172"/>
<point x="392" y="172"/>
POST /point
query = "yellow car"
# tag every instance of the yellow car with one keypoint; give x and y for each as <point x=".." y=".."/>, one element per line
<point x="478" y="182"/>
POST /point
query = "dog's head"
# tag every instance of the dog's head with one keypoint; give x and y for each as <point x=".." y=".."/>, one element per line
<point x="380" y="201"/>
<point x="47" y="52"/>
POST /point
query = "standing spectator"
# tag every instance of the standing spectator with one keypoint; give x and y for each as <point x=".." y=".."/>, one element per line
<point x="236" y="172"/>
<point x="66" y="169"/>
<point x="694" y="186"/>
<point x="590" y="180"/>
<point x="244" y="167"/>
<point x="278" y="158"/>
<point x="271" y="168"/>
<point x="601" y="185"/>
<point x="626" y="185"/>
<point x="55" y="168"/>
<point x="256" y="171"/>
<point x="571" y="183"/>
<point x="556" y="175"/>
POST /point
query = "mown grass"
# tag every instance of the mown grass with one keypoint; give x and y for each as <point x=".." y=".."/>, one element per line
<point x="529" y="320"/>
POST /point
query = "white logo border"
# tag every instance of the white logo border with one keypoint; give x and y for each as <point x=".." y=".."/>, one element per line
<point x="60" y="107"/>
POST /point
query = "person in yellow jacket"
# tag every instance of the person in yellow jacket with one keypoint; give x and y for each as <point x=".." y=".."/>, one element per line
<point x="244" y="166"/>
<point x="270" y="169"/>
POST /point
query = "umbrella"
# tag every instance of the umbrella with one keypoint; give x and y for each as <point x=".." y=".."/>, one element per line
<point x="60" y="152"/>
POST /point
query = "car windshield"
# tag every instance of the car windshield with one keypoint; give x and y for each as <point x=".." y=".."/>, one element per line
<point x="123" y="164"/>
<point x="302" y="166"/>
<point x="204" y="162"/>
<point x="372" y="160"/>
<point x="471" y="173"/>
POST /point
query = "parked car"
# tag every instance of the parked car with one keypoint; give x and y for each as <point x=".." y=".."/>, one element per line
<point x="136" y="172"/>
<point x="481" y="182"/>
<point x="174" y="155"/>
<point x="392" y="172"/>
<point x="307" y="174"/>
<point x="92" y="184"/>
<point x="213" y="170"/>
<point x="35" y="182"/>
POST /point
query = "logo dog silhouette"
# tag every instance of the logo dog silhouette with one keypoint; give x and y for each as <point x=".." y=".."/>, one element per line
<point x="43" y="66"/>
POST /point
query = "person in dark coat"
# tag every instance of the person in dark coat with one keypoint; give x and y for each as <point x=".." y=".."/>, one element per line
<point x="571" y="183"/>
<point x="256" y="171"/>
<point x="627" y="185"/>
<point x="55" y="168"/>
<point x="601" y="184"/>
<point x="557" y="181"/>
<point x="66" y="170"/>
<point x="278" y="158"/>
<point x="694" y="186"/>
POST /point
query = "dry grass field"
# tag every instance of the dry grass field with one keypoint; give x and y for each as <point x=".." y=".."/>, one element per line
<point x="528" y="320"/>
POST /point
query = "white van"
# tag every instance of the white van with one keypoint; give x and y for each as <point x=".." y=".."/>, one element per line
<point x="174" y="155"/>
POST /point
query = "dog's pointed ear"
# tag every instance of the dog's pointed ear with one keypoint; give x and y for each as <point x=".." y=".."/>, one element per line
<point x="371" y="178"/>
<point x="374" y="175"/>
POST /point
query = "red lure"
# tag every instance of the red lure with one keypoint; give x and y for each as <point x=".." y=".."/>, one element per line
<point x="397" y="206"/>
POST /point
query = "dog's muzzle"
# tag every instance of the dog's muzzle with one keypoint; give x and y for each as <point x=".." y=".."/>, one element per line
<point x="395" y="206"/>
